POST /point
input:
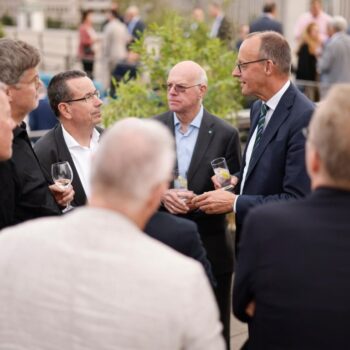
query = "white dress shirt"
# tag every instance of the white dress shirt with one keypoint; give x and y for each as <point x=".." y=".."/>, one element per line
<point x="82" y="156"/>
<point x="272" y="104"/>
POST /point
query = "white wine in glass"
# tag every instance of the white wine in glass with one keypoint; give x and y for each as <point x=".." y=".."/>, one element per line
<point x="62" y="176"/>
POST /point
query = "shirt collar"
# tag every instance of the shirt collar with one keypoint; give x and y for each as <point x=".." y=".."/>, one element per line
<point x="275" y="99"/>
<point x="72" y="143"/>
<point x="197" y="120"/>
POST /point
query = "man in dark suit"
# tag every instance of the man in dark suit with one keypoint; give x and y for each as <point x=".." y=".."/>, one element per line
<point x="267" y="21"/>
<point x="292" y="278"/>
<point x="200" y="138"/>
<point x="182" y="235"/>
<point x="75" y="101"/>
<point x="134" y="22"/>
<point x="221" y="27"/>
<point x="273" y="166"/>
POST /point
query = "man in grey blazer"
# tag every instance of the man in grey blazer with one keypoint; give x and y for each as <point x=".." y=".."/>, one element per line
<point x="92" y="279"/>
<point x="200" y="138"/>
<point x="334" y="62"/>
<point x="76" y="103"/>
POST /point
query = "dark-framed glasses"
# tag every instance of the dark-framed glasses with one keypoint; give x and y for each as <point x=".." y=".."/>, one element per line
<point x="243" y="65"/>
<point x="180" y="88"/>
<point x="86" y="98"/>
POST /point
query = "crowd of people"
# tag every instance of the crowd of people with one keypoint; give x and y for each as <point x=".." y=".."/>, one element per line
<point x="140" y="263"/>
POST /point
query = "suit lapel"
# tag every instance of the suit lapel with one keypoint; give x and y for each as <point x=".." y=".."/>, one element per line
<point x="205" y="136"/>
<point x="64" y="155"/>
<point x="279" y="116"/>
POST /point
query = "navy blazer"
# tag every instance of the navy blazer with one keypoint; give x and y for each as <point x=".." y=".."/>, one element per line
<point x="295" y="263"/>
<point x="182" y="235"/>
<point x="216" y="138"/>
<point x="277" y="168"/>
<point x="264" y="23"/>
<point x="51" y="148"/>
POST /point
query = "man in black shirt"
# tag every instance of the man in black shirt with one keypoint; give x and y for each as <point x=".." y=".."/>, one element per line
<point x="25" y="192"/>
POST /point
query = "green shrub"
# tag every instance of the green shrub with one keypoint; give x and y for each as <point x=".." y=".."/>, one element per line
<point x="177" y="42"/>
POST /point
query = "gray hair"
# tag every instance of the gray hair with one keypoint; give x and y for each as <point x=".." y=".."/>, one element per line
<point x="276" y="48"/>
<point x="58" y="90"/>
<point x="133" y="157"/>
<point x="16" y="57"/>
<point x="338" y="23"/>
<point x="330" y="130"/>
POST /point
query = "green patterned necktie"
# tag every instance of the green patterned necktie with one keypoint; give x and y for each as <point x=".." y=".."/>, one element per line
<point x="261" y="123"/>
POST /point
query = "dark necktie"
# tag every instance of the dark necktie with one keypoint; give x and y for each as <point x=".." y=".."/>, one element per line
<point x="261" y="123"/>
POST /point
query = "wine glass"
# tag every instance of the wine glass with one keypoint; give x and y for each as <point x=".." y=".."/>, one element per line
<point x="62" y="176"/>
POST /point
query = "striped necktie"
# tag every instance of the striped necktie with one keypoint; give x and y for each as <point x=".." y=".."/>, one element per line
<point x="261" y="123"/>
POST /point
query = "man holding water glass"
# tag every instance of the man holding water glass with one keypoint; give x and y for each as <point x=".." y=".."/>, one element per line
<point x="28" y="192"/>
<point x="76" y="103"/>
<point x="200" y="138"/>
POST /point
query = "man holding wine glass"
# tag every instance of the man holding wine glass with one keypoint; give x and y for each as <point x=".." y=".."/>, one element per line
<point x="27" y="191"/>
<point x="76" y="103"/>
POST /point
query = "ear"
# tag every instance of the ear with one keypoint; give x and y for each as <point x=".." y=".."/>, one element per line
<point x="203" y="90"/>
<point x="64" y="110"/>
<point x="313" y="161"/>
<point x="9" y="92"/>
<point x="269" y="67"/>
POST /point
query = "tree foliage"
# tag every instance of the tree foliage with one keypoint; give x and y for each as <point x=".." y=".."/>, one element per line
<point x="175" y="41"/>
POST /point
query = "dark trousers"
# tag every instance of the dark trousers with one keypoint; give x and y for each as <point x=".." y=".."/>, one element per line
<point x="88" y="67"/>
<point x="223" y="298"/>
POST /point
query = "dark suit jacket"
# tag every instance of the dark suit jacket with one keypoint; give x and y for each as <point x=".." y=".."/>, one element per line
<point x="181" y="235"/>
<point x="216" y="138"/>
<point x="225" y="32"/>
<point x="277" y="168"/>
<point x="51" y="148"/>
<point x="294" y="262"/>
<point x="138" y="29"/>
<point x="265" y="22"/>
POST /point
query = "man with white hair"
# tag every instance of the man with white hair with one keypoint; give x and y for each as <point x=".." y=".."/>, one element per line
<point x="135" y="24"/>
<point x="200" y="138"/>
<point x="334" y="63"/>
<point x="92" y="278"/>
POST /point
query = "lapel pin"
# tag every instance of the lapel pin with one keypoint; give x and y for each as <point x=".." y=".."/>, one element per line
<point x="209" y="131"/>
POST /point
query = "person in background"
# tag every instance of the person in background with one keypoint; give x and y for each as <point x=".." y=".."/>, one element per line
<point x="93" y="277"/>
<point x="267" y="21"/>
<point x="301" y="248"/>
<point x="221" y="27"/>
<point x="242" y="34"/>
<point x="27" y="191"/>
<point x="135" y="24"/>
<point x="333" y="65"/>
<point x="87" y="38"/>
<point x="316" y="15"/>
<point x="308" y="52"/>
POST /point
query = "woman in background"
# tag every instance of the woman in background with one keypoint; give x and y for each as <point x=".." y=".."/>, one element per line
<point x="87" y="37"/>
<point x="309" y="49"/>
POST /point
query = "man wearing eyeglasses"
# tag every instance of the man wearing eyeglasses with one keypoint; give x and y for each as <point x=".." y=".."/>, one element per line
<point x="27" y="192"/>
<point x="76" y="103"/>
<point x="273" y="166"/>
<point x="200" y="138"/>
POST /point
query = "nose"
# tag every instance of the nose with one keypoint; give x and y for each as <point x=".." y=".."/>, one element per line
<point x="236" y="73"/>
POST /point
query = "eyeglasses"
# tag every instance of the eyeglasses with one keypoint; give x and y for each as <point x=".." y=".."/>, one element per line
<point x="180" y="88"/>
<point x="241" y="66"/>
<point x="86" y="98"/>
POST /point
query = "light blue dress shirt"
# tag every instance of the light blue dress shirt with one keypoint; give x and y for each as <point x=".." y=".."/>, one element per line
<point x="185" y="142"/>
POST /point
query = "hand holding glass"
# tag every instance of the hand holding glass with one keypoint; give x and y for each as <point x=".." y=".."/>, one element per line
<point x="62" y="175"/>
<point x="221" y="171"/>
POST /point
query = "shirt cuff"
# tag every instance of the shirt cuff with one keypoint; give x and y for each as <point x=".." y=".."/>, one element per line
<point x="235" y="204"/>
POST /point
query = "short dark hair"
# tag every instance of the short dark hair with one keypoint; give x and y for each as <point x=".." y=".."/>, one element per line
<point x="16" y="56"/>
<point x="269" y="7"/>
<point x="58" y="90"/>
<point x="85" y="13"/>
